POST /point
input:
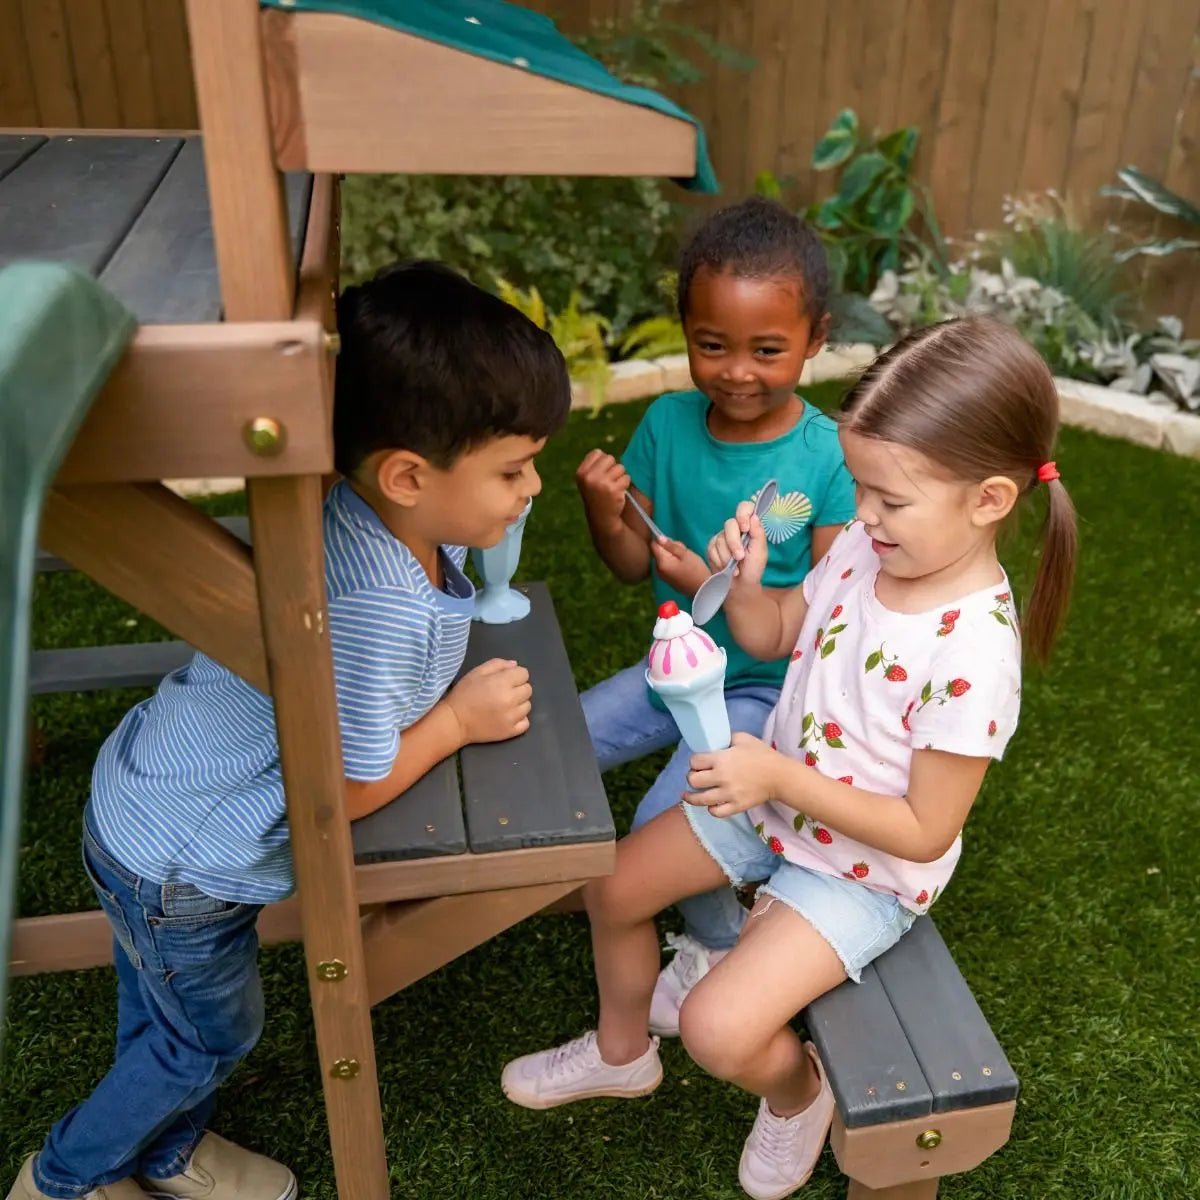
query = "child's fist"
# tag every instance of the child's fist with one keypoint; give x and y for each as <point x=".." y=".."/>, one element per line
<point x="678" y="567"/>
<point x="752" y="558"/>
<point x="492" y="703"/>
<point x="603" y="482"/>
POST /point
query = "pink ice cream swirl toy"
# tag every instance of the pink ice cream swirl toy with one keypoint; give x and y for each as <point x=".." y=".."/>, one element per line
<point x="687" y="669"/>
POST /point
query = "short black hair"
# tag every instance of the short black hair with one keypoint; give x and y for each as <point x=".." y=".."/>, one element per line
<point x="758" y="239"/>
<point x="433" y="364"/>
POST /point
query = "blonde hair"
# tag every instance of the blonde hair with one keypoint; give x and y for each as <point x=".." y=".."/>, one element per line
<point x="974" y="397"/>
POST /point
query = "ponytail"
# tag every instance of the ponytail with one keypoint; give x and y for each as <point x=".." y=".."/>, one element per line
<point x="1047" y="604"/>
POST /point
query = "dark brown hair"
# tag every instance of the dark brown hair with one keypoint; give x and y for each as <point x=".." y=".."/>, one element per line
<point x="974" y="397"/>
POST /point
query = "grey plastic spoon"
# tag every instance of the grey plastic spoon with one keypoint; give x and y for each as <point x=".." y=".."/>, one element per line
<point x="708" y="600"/>
<point x="641" y="512"/>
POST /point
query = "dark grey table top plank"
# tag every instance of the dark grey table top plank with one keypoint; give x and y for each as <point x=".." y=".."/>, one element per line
<point x="544" y="787"/>
<point x="426" y="821"/>
<point x="15" y="148"/>
<point x="874" y="1074"/>
<point x="91" y="668"/>
<point x="959" y="1054"/>
<point x="165" y="270"/>
<point x="75" y="199"/>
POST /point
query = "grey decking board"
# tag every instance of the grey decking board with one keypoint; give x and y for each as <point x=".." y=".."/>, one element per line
<point x="15" y="148"/>
<point x="77" y="197"/>
<point x="47" y="562"/>
<point x="866" y="1054"/>
<point x="426" y="821"/>
<point x="90" y="668"/>
<point x="544" y="787"/>
<point x="943" y="1023"/>
<point x="165" y="271"/>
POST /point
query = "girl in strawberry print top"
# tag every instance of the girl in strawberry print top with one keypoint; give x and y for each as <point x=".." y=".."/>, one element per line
<point x="903" y="683"/>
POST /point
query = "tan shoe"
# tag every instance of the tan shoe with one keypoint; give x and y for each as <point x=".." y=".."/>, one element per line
<point x="26" y="1189"/>
<point x="219" y="1170"/>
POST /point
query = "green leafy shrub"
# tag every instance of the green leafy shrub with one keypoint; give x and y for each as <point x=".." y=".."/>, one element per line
<point x="867" y="224"/>
<point x="581" y="336"/>
<point x="605" y="239"/>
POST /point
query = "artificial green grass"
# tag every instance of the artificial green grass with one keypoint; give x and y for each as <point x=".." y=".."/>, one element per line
<point x="1073" y="915"/>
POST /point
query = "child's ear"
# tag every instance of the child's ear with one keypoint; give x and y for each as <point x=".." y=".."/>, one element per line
<point x="995" y="499"/>
<point x="400" y="476"/>
<point x="819" y="335"/>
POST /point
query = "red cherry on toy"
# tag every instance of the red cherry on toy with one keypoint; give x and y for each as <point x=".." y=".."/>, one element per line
<point x="668" y="608"/>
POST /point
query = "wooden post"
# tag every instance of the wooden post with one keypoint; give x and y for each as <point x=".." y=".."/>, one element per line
<point x="258" y="284"/>
<point x="925" y="1189"/>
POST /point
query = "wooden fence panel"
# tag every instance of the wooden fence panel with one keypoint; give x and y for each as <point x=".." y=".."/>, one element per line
<point x="1009" y="95"/>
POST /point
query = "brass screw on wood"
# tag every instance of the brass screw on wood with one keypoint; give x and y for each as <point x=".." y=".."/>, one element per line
<point x="344" y="1068"/>
<point x="930" y="1139"/>
<point x="333" y="343"/>
<point x="331" y="971"/>
<point x="264" y="436"/>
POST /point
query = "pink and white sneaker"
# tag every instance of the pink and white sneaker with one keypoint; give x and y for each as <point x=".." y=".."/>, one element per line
<point x="575" y="1071"/>
<point x="781" y="1152"/>
<point x="691" y="963"/>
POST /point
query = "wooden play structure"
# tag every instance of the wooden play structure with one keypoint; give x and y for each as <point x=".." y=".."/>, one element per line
<point x="225" y="248"/>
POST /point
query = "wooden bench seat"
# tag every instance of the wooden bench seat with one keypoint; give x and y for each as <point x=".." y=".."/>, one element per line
<point x="923" y="1088"/>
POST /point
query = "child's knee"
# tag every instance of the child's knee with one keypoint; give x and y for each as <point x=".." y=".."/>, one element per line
<point x="713" y="1037"/>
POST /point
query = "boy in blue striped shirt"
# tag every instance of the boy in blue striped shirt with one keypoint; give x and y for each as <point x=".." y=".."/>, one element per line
<point x="444" y="396"/>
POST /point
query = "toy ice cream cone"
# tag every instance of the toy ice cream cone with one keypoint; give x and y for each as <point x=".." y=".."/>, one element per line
<point x="687" y="669"/>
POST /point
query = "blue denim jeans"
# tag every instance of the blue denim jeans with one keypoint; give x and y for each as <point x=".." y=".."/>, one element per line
<point x="624" y="725"/>
<point x="189" y="1008"/>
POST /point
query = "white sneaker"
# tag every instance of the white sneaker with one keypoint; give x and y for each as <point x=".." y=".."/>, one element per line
<point x="576" y="1071"/>
<point x="781" y="1152"/>
<point x="691" y="963"/>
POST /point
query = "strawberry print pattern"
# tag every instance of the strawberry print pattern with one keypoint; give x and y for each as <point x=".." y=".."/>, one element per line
<point x="948" y="621"/>
<point x="893" y="672"/>
<point x="826" y="638"/>
<point x="948" y="691"/>
<point x="869" y="689"/>
<point x="1003" y="611"/>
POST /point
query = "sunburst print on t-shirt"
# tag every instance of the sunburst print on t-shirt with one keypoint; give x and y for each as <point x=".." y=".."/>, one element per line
<point x="788" y="514"/>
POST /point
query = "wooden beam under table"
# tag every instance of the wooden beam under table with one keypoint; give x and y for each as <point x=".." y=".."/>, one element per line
<point x="344" y="92"/>
<point x="404" y="942"/>
<point x="166" y="558"/>
<point x="75" y="941"/>
<point x="177" y="404"/>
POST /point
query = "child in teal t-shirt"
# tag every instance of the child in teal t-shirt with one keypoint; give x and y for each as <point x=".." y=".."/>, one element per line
<point x="753" y="285"/>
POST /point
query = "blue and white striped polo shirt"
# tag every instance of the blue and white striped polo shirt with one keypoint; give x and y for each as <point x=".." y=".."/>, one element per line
<point x="188" y="787"/>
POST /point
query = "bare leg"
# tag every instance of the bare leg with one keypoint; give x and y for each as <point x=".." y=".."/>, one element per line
<point x="735" y="1022"/>
<point x="657" y="865"/>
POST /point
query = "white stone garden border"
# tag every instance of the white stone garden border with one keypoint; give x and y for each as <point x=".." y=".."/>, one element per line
<point x="1084" y="405"/>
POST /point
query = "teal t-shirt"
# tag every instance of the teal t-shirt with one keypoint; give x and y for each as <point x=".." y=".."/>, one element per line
<point x="697" y="482"/>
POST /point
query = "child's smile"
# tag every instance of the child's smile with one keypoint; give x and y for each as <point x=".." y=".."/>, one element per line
<point x="748" y="339"/>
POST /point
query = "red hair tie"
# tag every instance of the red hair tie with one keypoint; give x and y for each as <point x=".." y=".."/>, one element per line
<point x="1046" y="472"/>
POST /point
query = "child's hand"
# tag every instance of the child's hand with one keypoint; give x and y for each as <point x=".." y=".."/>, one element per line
<point x="731" y="781"/>
<point x="751" y="559"/>
<point x="678" y="567"/>
<point x="603" y="482"/>
<point x="492" y="702"/>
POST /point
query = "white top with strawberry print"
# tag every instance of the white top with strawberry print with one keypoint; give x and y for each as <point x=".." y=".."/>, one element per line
<point x="867" y="686"/>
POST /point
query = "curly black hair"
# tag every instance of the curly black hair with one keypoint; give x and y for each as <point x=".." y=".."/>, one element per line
<point x="758" y="238"/>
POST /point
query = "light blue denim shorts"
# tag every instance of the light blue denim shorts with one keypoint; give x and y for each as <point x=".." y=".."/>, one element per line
<point x="858" y="922"/>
